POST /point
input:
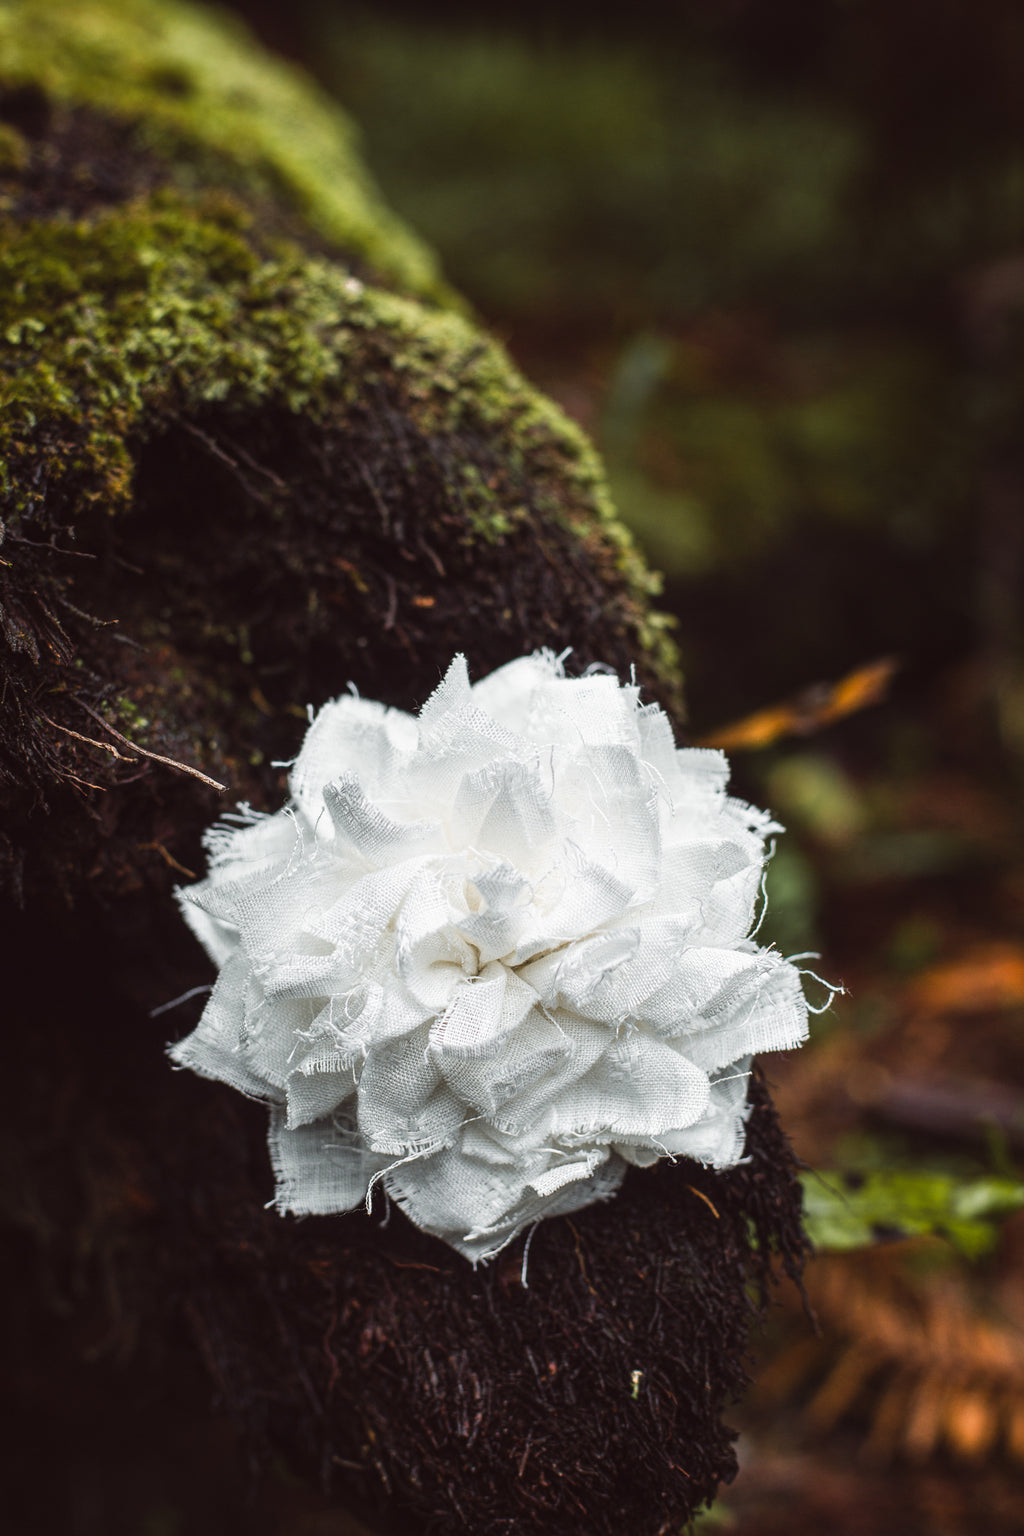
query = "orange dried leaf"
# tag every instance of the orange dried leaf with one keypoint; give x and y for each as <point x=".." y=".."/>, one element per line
<point x="807" y="712"/>
<point x="971" y="1423"/>
<point x="987" y="978"/>
<point x="858" y="689"/>
<point x="756" y="731"/>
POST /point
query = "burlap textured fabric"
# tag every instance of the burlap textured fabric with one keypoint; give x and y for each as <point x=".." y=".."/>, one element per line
<point x="491" y="955"/>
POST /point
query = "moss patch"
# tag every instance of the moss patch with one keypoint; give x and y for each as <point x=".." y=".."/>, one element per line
<point x="330" y="478"/>
<point x="197" y="94"/>
<point x="166" y="306"/>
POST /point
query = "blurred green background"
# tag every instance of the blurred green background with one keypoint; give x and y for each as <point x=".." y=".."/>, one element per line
<point x="769" y="252"/>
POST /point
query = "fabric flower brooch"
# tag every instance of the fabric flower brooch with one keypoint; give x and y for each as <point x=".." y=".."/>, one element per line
<point x="491" y="955"/>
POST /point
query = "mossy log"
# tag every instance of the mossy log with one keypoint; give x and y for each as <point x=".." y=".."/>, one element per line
<point x="251" y="449"/>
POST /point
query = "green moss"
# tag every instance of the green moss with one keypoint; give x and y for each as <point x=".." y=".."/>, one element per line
<point x="165" y="306"/>
<point x="178" y="301"/>
<point x="216" y="109"/>
<point x="130" y="717"/>
<point x="14" y="152"/>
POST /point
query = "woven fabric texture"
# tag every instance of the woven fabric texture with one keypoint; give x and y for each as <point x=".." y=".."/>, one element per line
<point x="491" y="955"/>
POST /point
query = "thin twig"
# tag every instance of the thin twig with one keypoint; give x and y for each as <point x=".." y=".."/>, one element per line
<point x="79" y="554"/>
<point x="90" y="618"/>
<point x="207" y="441"/>
<point x="707" y="1202"/>
<point x="212" y="446"/>
<point x="104" y="746"/>
<point x="156" y="757"/>
<point x="579" y="1255"/>
<point x="87" y="783"/>
<point x="254" y="464"/>
<point x="168" y="858"/>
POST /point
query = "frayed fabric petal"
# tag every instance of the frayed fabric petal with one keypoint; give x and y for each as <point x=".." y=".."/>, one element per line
<point x="491" y="955"/>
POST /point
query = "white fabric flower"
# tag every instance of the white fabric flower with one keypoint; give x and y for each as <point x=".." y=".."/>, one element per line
<point x="491" y="955"/>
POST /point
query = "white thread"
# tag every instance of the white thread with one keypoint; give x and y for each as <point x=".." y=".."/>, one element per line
<point x="834" y="990"/>
<point x="526" y="1255"/>
<point x="177" y="1001"/>
<point x="763" y="890"/>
